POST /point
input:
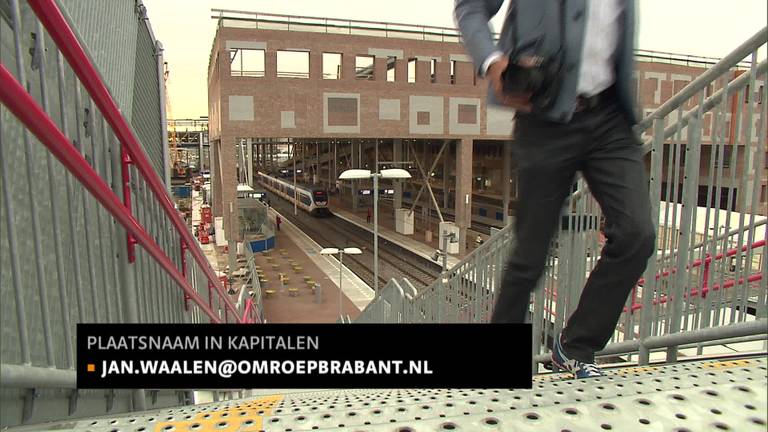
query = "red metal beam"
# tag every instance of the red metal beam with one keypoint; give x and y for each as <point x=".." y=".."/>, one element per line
<point x="27" y="110"/>
<point x="58" y="28"/>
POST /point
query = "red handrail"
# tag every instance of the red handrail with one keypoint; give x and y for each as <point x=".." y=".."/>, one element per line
<point x="696" y="291"/>
<point x="52" y="19"/>
<point x="26" y="109"/>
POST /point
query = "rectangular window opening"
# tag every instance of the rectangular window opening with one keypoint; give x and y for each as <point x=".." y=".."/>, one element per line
<point x="293" y="64"/>
<point x="246" y="62"/>
<point x="391" y="62"/>
<point x="331" y="66"/>
<point x="433" y="71"/>
<point x="411" y="70"/>
<point x="364" y="67"/>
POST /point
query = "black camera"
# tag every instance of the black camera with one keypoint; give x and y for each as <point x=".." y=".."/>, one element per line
<point x="534" y="75"/>
<point x="540" y="76"/>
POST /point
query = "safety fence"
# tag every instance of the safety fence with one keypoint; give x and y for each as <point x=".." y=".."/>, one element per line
<point x="708" y="279"/>
<point x="81" y="158"/>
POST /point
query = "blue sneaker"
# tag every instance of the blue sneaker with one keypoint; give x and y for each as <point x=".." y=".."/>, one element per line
<point x="577" y="368"/>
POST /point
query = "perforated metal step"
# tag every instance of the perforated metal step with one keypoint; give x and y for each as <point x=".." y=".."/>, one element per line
<point x="697" y="396"/>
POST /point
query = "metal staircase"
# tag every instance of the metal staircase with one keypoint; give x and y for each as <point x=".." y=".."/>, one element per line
<point x="722" y="394"/>
<point x="708" y="278"/>
<point x="81" y="111"/>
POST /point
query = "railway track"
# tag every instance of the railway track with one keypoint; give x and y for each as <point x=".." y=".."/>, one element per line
<point x="394" y="261"/>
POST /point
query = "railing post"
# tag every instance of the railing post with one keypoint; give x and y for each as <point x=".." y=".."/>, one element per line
<point x="125" y="258"/>
<point x="651" y="283"/>
<point x="690" y="193"/>
<point x="126" y="166"/>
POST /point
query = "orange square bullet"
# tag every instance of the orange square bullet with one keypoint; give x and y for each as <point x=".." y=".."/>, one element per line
<point x="91" y="367"/>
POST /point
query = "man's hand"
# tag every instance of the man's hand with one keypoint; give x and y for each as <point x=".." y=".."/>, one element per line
<point x="520" y="102"/>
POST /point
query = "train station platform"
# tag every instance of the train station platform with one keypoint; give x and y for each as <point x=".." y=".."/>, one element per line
<point x="724" y="394"/>
<point x="296" y="257"/>
<point x="416" y="243"/>
<point x="306" y="251"/>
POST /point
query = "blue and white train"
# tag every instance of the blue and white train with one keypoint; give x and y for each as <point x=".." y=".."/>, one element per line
<point x="312" y="200"/>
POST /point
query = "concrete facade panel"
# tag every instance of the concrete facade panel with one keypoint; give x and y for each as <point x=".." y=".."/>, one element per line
<point x="430" y="104"/>
<point x="384" y="53"/>
<point x="389" y="109"/>
<point x="341" y="113"/>
<point x="241" y="108"/>
<point x="235" y="44"/>
<point x="287" y="119"/>
<point x="471" y="116"/>
<point x="500" y="121"/>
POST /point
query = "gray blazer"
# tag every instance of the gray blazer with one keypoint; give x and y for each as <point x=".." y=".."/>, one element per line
<point x="541" y="19"/>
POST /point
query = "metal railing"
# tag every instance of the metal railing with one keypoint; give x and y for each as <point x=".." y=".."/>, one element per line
<point x="75" y="207"/>
<point x="266" y="21"/>
<point x="254" y="306"/>
<point x="708" y="278"/>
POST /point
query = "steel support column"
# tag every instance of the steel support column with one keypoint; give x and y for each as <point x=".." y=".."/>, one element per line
<point x="463" y="198"/>
<point x="506" y="178"/>
<point x="397" y="184"/>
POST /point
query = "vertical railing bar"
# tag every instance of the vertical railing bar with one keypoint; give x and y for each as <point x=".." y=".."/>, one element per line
<point x="180" y="311"/>
<point x="168" y="246"/>
<point x="114" y="243"/>
<point x="657" y="154"/>
<point x="761" y="311"/>
<point x="707" y="303"/>
<point x="161" y="287"/>
<point x="172" y="252"/>
<point x="732" y="203"/>
<point x="39" y="267"/>
<point x="100" y="158"/>
<point x="741" y="271"/>
<point x="72" y="196"/>
<point x="708" y="206"/>
<point x="743" y="198"/>
<point x="79" y="106"/>
<point x="691" y="239"/>
<point x="758" y="164"/>
<point x="21" y="314"/>
<point x="151" y="285"/>
<point x="659" y="287"/>
<point x="174" y="295"/>
<point x="152" y="271"/>
<point x="58" y="250"/>
<point x="690" y="191"/>
<point x="139" y="212"/>
<point x="71" y="209"/>
<point x="115" y="182"/>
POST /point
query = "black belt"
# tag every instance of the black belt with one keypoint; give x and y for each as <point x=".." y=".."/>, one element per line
<point x="587" y="103"/>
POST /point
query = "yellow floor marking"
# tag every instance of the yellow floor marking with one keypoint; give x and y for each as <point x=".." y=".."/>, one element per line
<point x="244" y="417"/>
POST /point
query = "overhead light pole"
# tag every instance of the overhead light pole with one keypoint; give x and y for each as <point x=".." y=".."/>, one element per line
<point x="393" y="173"/>
<point x="341" y="252"/>
<point x="295" y="205"/>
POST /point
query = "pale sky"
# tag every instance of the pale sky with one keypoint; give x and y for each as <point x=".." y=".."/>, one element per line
<point x="709" y="28"/>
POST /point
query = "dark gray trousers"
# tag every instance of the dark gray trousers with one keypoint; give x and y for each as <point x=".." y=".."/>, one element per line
<point x="600" y="144"/>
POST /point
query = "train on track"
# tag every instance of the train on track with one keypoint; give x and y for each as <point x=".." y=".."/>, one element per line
<point x="312" y="200"/>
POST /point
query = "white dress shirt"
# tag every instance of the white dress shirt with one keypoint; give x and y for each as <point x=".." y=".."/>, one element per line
<point x="601" y="33"/>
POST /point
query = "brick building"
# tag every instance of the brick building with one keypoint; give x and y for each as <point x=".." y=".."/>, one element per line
<point x="336" y="90"/>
